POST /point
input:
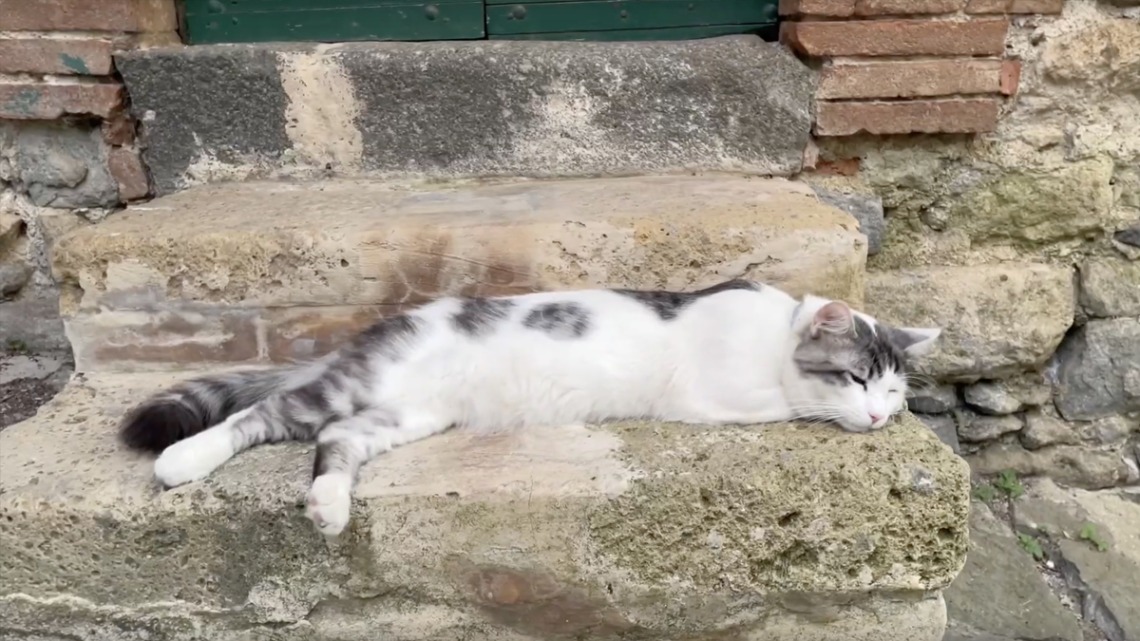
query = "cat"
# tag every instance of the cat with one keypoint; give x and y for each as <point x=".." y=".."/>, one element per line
<point x="739" y="352"/>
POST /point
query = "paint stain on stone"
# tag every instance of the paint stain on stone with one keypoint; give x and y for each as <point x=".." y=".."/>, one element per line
<point x="74" y="63"/>
<point x="23" y="103"/>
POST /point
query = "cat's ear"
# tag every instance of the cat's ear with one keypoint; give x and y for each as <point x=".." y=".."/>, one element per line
<point x="834" y="318"/>
<point x="915" y="341"/>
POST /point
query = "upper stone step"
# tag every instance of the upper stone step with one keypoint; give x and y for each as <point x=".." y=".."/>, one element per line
<point x="628" y="531"/>
<point x="236" y="112"/>
<point x="246" y="272"/>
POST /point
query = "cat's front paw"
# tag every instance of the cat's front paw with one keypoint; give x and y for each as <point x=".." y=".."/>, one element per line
<point x="329" y="504"/>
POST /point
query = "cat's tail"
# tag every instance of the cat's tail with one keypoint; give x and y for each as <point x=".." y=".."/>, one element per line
<point x="197" y="404"/>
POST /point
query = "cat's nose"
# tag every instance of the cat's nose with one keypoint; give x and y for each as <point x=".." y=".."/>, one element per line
<point x="875" y="418"/>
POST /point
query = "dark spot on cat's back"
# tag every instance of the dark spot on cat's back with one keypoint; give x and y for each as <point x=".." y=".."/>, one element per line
<point x="561" y="320"/>
<point x="477" y="315"/>
<point x="667" y="305"/>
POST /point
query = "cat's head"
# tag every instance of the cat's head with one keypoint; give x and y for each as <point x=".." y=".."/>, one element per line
<point x="849" y="368"/>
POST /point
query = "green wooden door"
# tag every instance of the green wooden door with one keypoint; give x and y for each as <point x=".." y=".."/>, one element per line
<point x="216" y="21"/>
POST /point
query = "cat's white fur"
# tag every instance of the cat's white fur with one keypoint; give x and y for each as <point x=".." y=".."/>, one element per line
<point x="726" y="358"/>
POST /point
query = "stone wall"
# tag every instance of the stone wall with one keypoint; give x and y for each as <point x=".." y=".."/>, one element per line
<point x="67" y="147"/>
<point x="1022" y="238"/>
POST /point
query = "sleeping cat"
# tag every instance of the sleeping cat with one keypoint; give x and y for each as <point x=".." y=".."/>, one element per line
<point x="739" y="352"/>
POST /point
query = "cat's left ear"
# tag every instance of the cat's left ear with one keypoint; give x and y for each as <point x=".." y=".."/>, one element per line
<point x="915" y="341"/>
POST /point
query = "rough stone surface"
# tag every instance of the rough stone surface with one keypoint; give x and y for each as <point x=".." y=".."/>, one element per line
<point x="944" y="427"/>
<point x="1000" y="594"/>
<point x="56" y="165"/>
<point x="1042" y="430"/>
<point x="1033" y="207"/>
<point x="866" y="208"/>
<point x="33" y="320"/>
<point x="932" y="399"/>
<point x="991" y="397"/>
<point x="782" y="532"/>
<point x="478" y="108"/>
<point x="13" y="277"/>
<point x="997" y="318"/>
<point x="1097" y="373"/>
<point x="976" y="428"/>
<point x="1072" y="465"/>
<point x="10" y="227"/>
<point x="1108" y="576"/>
<point x="1110" y="288"/>
<point x="181" y="279"/>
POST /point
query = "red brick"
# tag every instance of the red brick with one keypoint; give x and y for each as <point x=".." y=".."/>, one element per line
<point x="831" y="8"/>
<point x="1015" y="6"/>
<point x="88" y="15"/>
<point x="907" y="7"/>
<point x="40" y="101"/>
<point x="87" y="57"/>
<point x="956" y="115"/>
<point x="909" y="79"/>
<point x="119" y="129"/>
<point x="127" y="168"/>
<point x="897" y="37"/>
<point x="1010" y="76"/>
<point x="849" y="8"/>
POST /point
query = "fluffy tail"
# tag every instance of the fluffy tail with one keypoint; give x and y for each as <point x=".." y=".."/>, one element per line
<point x="190" y="407"/>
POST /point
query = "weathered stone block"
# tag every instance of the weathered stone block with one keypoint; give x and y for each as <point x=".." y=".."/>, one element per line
<point x="977" y="428"/>
<point x="476" y="108"/>
<point x="334" y="246"/>
<point x="1104" y="56"/>
<point x="57" y="165"/>
<point x="1110" y="288"/>
<point x="629" y="530"/>
<point x="998" y="319"/>
<point x="866" y="208"/>
<point x="1034" y="207"/>
<point x="933" y="399"/>
<point x="1099" y="370"/>
<point x="990" y="397"/>
<point x="1073" y="465"/>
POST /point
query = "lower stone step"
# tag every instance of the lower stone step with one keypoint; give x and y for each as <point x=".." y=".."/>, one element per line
<point x="645" y="531"/>
<point x="270" y="272"/>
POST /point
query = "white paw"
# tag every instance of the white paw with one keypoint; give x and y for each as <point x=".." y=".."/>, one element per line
<point x="193" y="459"/>
<point x="330" y="503"/>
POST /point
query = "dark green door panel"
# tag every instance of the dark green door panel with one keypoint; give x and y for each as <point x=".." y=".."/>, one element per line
<point x="583" y="16"/>
<point x="219" y="21"/>
<point x="213" y="21"/>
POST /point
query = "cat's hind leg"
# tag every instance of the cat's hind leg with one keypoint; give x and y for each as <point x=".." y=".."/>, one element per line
<point x="193" y="459"/>
<point x="343" y="447"/>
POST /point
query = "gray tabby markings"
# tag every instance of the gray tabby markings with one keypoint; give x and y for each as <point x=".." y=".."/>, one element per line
<point x="562" y="320"/>
<point x="668" y="305"/>
<point x="478" y="315"/>
<point x="865" y="354"/>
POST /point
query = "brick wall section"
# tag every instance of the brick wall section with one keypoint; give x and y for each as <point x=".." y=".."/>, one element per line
<point x="56" y="63"/>
<point x="907" y="66"/>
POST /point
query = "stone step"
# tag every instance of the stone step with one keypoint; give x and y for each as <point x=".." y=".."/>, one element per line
<point x="624" y="531"/>
<point x="275" y="271"/>
<point x="446" y="109"/>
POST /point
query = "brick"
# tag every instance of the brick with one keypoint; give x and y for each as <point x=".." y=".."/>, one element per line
<point x="86" y="57"/>
<point x="849" y="8"/>
<point x="1015" y="6"/>
<point x="983" y="37"/>
<point x="958" y="115"/>
<point x="830" y="8"/>
<point x="129" y="173"/>
<point x="29" y="100"/>
<point x="907" y="7"/>
<point x="1010" y="76"/>
<point x="909" y="79"/>
<point x="88" y="15"/>
<point x="118" y="129"/>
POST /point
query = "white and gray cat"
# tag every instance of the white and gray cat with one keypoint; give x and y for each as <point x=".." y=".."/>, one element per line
<point x="739" y="352"/>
